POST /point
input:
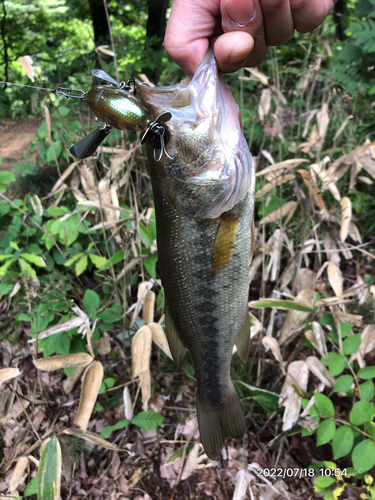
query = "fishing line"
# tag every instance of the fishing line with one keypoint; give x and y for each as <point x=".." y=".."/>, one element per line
<point x="66" y="92"/>
<point x="29" y="86"/>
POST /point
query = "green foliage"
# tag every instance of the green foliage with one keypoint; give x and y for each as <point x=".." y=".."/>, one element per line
<point x="352" y="65"/>
<point x="148" y="420"/>
<point x="107" y="431"/>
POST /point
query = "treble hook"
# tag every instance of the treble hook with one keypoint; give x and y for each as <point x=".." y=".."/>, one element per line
<point x="159" y="128"/>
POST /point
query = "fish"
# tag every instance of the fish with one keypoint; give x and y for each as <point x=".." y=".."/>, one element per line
<point x="203" y="181"/>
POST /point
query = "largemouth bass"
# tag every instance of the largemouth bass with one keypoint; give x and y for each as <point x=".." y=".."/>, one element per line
<point x="203" y="181"/>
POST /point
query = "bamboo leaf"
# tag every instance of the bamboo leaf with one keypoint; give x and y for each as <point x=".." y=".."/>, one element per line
<point x="49" y="472"/>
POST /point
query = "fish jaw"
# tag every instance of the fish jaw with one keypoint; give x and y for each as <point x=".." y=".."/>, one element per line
<point x="208" y="168"/>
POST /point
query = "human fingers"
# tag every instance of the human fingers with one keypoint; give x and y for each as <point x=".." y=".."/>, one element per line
<point x="244" y="16"/>
<point x="190" y="26"/>
<point x="309" y="14"/>
<point x="232" y="50"/>
<point x="277" y="21"/>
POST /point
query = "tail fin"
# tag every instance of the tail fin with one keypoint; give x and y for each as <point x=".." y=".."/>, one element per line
<point x="218" y="424"/>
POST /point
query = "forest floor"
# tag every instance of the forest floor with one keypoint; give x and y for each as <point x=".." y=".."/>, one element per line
<point x="16" y="136"/>
<point x="169" y="463"/>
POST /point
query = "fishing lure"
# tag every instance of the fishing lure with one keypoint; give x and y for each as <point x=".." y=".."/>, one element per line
<point x="117" y="107"/>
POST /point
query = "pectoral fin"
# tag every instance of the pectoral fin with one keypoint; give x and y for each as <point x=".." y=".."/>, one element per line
<point x="176" y="346"/>
<point x="224" y="242"/>
<point x="243" y="340"/>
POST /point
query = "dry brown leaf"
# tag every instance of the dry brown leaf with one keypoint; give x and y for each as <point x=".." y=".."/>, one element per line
<point x="342" y="128"/>
<point x="356" y="319"/>
<point x="88" y="181"/>
<point x="48" y="122"/>
<point x="145" y="79"/>
<point x="143" y="289"/>
<point x="16" y="411"/>
<point x="191" y="462"/>
<point x="317" y="338"/>
<point x="148" y="307"/>
<point x="8" y="373"/>
<point x="320" y="371"/>
<point x="268" y="156"/>
<point x="104" y="50"/>
<point x="27" y="66"/>
<point x="287" y="165"/>
<point x="322" y="118"/>
<point x="276" y="182"/>
<point x="145" y="384"/>
<point x="354" y="233"/>
<point x="128" y="407"/>
<point x="103" y="345"/>
<point x="305" y="279"/>
<point x="91" y="383"/>
<point x="258" y="75"/>
<point x="60" y="327"/>
<point x="366" y="180"/>
<point x="65" y="174"/>
<point x="295" y="384"/>
<point x="296" y="319"/>
<point x="78" y="359"/>
<point x="306" y="147"/>
<point x="91" y="437"/>
<point x="71" y="381"/>
<point x="256" y="325"/>
<point x="271" y="343"/>
<point x="367" y="340"/>
<point x="280" y="212"/>
<point x="16" y="478"/>
<point x="314" y="190"/>
<point x="160" y="339"/>
<point x="108" y="196"/>
<point x="335" y="278"/>
<point x="36" y="205"/>
<point x="264" y="104"/>
<point x="346" y="217"/>
<point x="243" y="479"/>
<point x="141" y="350"/>
<point x="256" y="262"/>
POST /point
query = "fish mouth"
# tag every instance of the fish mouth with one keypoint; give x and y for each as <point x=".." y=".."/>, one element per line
<point x="179" y="95"/>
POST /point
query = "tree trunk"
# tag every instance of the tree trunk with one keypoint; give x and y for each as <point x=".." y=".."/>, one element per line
<point x="99" y="22"/>
<point x="339" y="17"/>
<point x="155" y="30"/>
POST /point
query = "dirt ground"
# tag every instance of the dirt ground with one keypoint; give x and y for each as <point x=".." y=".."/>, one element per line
<point x="15" y="138"/>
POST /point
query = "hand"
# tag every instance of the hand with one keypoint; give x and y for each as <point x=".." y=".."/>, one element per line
<point x="240" y="30"/>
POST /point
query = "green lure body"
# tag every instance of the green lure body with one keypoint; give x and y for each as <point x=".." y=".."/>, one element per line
<point x="119" y="108"/>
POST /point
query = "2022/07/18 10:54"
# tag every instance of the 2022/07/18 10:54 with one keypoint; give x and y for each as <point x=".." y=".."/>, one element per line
<point x="299" y="472"/>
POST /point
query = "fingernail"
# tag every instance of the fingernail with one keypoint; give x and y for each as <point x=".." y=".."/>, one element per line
<point x="236" y="56"/>
<point x="241" y="13"/>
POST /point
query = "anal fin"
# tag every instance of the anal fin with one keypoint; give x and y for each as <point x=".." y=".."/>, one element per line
<point x="243" y="340"/>
<point x="176" y="346"/>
